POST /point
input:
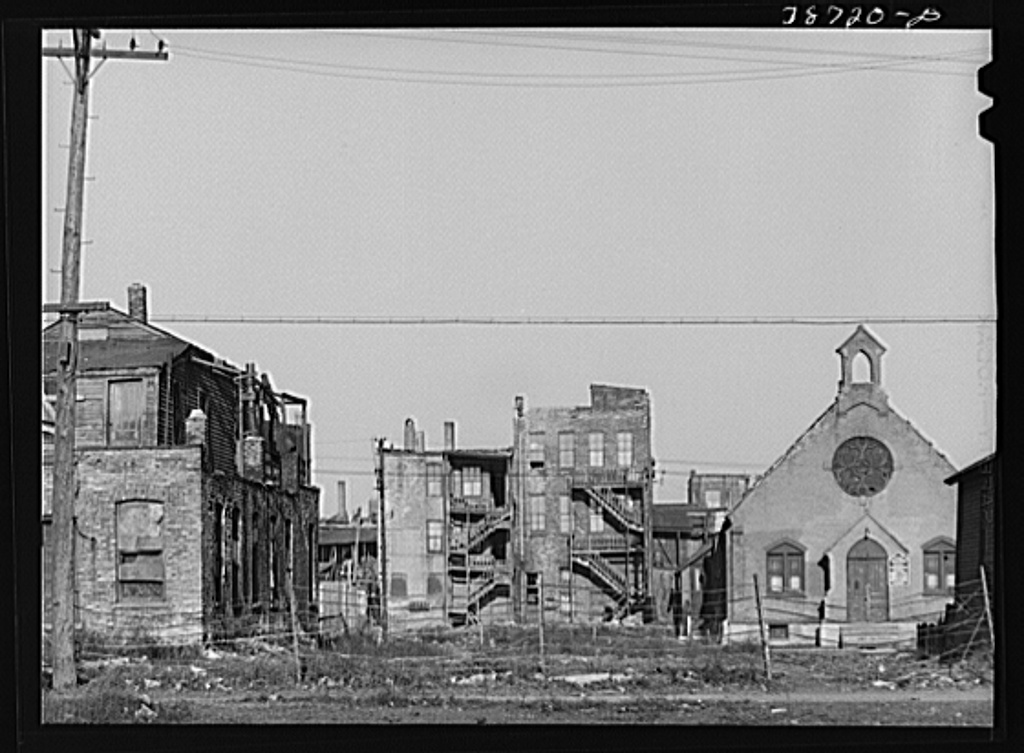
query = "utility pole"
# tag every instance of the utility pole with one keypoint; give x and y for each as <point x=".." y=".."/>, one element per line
<point x="62" y="565"/>
<point x="383" y="548"/>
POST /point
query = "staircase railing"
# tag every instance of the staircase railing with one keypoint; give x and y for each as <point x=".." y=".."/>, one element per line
<point x="626" y="518"/>
<point x="605" y="572"/>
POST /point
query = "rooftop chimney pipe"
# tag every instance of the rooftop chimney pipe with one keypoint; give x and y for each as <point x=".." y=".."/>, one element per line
<point x="137" y="302"/>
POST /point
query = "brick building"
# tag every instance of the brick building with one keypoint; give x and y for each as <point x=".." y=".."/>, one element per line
<point x="194" y="499"/>
<point x="855" y="517"/>
<point x="446" y="522"/>
<point x="582" y="492"/>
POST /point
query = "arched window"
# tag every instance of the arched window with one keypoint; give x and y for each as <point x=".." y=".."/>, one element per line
<point x="861" y="367"/>
<point x="939" y="565"/>
<point x="786" y="569"/>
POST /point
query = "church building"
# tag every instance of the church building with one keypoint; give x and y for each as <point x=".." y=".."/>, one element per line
<point x="850" y="533"/>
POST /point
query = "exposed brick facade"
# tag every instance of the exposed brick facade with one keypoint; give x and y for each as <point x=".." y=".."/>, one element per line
<point x="188" y="609"/>
<point x="175" y="536"/>
<point x="548" y="473"/>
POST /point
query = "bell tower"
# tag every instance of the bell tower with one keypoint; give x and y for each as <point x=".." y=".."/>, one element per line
<point x="861" y="342"/>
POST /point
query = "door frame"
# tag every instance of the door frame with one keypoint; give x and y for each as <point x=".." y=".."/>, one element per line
<point x="880" y="554"/>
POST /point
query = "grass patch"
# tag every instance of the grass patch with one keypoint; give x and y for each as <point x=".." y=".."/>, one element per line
<point x="101" y="703"/>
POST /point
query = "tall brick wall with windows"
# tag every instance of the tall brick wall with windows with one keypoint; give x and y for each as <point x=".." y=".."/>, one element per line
<point x="621" y="417"/>
<point x="253" y="598"/>
<point x="108" y="479"/>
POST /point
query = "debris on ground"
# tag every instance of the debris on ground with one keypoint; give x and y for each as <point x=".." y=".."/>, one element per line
<point x="587" y="679"/>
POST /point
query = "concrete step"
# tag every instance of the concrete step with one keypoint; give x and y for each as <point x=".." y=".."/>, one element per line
<point x="878" y="634"/>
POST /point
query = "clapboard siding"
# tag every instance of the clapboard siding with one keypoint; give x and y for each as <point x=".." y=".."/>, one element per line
<point x="221" y="392"/>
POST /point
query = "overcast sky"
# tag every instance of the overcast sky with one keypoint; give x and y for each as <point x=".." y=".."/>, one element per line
<point x="601" y="173"/>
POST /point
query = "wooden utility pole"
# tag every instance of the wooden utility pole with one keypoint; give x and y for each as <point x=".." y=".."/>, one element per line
<point x="62" y="565"/>
<point x="382" y="552"/>
<point x="765" y="651"/>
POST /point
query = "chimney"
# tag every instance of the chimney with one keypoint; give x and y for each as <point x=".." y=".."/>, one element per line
<point x="195" y="427"/>
<point x="252" y="458"/>
<point x="421" y="442"/>
<point x="137" y="302"/>
<point x="449" y="435"/>
<point x="342" y="507"/>
<point x="520" y="406"/>
<point x="410" y="434"/>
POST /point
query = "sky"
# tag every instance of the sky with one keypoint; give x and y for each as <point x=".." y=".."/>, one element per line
<point x="601" y="173"/>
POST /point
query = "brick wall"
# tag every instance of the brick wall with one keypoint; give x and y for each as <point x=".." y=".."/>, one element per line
<point x="170" y="476"/>
<point x="613" y="410"/>
<point x="246" y="605"/>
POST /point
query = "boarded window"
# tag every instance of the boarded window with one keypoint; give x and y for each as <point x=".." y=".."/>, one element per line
<point x="125" y="403"/>
<point x="434" y="584"/>
<point x="595" y="443"/>
<point x="140" y="550"/>
<point x="566" y="450"/>
<point x="399" y="585"/>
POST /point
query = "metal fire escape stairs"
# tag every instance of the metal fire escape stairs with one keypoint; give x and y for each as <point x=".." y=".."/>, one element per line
<point x="627" y="598"/>
<point x="484" y="589"/>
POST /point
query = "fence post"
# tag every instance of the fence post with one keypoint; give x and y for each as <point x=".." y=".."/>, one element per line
<point x="540" y="599"/>
<point x="764" y="638"/>
<point x="988" y="610"/>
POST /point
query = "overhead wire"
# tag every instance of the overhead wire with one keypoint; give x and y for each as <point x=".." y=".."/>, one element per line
<point x="577" y="80"/>
<point x="535" y="321"/>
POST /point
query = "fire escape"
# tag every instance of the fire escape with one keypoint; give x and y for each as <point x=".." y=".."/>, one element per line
<point x="477" y="529"/>
<point x="613" y="562"/>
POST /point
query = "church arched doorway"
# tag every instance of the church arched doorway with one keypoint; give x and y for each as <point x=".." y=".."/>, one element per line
<point x="867" y="584"/>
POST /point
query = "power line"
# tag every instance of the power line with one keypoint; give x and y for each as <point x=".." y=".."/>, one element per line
<point x="570" y="321"/>
<point x="499" y="80"/>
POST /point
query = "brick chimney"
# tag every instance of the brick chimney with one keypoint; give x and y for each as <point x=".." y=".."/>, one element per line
<point x="421" y="442"/>
<point x="137" y="302"/>
<point x="449" y="435"/>
<point x="410" y="434"/>
<point x="342" y="510"/>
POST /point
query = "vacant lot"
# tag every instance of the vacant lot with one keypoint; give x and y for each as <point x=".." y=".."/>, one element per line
<point x="609" y="674"/>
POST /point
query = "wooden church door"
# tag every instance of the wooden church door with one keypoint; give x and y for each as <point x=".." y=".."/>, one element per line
<point x="867" y="584"/>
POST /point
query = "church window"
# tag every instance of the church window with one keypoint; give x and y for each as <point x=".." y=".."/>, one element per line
<point x="862" y="466"/>
<point x="785" y="569"/>
<point x="939" y="566"/>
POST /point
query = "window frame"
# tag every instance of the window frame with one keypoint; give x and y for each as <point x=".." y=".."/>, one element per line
<point x="154" y="554"/>
<point x="564" y="514"/>
<point x="566" y="449"/>
<point x="627" y="446"/>
<point x="595" y="520"/>
<point x="472" y="481"/>
<point x="595" y="449"/>
<point x="942" y="552"/>
<point x="536" y="449"/>
<point x="435" y="487"/>
<point x="437" y="535"/>
<point x="535" y="513"/>
<point x="139" y="418"/>
<point x="789" y="553"/>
